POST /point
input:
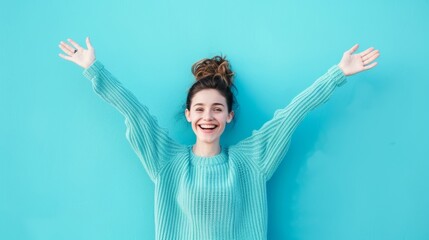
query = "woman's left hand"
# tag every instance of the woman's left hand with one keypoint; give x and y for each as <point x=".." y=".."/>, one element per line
<point x="354" y="63"/>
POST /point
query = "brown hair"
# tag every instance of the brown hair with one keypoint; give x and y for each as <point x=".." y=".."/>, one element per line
<point x="214" y="73"/>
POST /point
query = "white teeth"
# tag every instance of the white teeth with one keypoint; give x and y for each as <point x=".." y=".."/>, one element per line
<point x="207" y="126"/>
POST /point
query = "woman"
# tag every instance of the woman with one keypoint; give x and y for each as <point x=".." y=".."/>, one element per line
<point x="208" y="191"/>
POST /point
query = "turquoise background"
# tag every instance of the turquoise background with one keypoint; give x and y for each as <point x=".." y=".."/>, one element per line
<point x="357" y="167"/>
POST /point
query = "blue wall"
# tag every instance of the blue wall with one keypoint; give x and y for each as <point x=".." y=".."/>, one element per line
<point x="357" y="167"/>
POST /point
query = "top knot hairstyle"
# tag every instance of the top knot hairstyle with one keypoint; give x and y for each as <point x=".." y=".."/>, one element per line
<point x="214" y="73"/>
<point x="217" y="67"/>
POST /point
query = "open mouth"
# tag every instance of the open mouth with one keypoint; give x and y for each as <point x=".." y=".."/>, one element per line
<point x="207" y="127"/>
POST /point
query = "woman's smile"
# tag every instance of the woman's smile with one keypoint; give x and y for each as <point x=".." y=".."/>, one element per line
<point x="208" y="116"/>
<point x="207" y="128"/>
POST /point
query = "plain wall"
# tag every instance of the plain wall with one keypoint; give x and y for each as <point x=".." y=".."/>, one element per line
<point x="357" y="167"/>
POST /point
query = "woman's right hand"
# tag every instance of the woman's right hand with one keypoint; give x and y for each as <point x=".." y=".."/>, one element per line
<point x="75" y="53"/>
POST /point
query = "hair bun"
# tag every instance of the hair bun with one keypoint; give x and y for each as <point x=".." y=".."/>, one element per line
<point x="216" y="67"/>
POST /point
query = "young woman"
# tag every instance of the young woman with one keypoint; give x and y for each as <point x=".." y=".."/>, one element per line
<point x="209" y="191"/>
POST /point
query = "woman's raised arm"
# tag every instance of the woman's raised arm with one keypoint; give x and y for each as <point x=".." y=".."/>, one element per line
<point x="151" y="143"/>
<point x="266" y="147"/>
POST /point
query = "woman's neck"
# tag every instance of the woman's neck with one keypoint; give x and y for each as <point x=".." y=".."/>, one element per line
<point x="202" y="149"/>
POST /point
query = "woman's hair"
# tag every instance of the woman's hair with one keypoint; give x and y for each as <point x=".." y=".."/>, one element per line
<point x="214" y="73"/>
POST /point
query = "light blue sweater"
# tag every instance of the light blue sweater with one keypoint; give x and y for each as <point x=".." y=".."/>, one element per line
<point x="210" y="198"/>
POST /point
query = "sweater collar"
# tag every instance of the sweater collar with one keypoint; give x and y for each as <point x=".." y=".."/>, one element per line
<point x="220" y="158"/>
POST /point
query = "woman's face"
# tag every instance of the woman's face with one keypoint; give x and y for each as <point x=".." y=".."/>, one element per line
<point x="208" y="115"/>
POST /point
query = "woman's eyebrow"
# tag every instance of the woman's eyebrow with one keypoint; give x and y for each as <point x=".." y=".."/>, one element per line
<point x="214" y="104"/>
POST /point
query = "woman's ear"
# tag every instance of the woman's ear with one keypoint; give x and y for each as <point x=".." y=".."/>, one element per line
<point x="188" y="115"/>
<point x="230" y="117"/>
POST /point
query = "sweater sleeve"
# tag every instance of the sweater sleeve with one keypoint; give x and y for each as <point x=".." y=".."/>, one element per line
<point x="151" y="143"/>
<point x="267" y="146"/>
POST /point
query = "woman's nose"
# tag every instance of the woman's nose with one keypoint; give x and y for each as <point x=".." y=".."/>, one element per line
<point x="208" y="115"/>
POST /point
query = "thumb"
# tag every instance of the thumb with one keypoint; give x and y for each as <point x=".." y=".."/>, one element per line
<point x="88" y="43"/>
<point x="353" y="49"/>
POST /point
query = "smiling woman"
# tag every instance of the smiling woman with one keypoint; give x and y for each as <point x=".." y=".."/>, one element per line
<point x="208" y="191"/>
<point x="209" y="103"/>
<point x="208" y="117"/>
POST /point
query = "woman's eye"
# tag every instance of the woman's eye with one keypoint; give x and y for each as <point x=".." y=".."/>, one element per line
<point x="218" y="109"/>
<point x="199" y="109"/>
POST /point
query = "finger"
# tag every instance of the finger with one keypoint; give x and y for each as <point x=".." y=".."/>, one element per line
<point x="68" y="47"/>
<point x="66" y="50"/>
<point x="366" y="51"/>
<point x="75" y="44"/>
<point x="353" y="49"/>
<point x="370" y="66"/>
<point x="369" y="55"/>
<point x="368" y="61"/>
<point x="88" y="43"/>
<point x="65" y="57"/>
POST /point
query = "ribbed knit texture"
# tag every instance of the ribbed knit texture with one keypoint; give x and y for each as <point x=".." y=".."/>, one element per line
<point x="210" y="198"/>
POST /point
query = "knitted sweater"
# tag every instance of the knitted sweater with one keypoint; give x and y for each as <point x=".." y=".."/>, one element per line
<point x="221" y="197"/>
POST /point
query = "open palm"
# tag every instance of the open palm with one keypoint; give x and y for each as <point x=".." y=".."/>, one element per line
<point x="355" y="63"/>
<point x="75" y="53"/>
